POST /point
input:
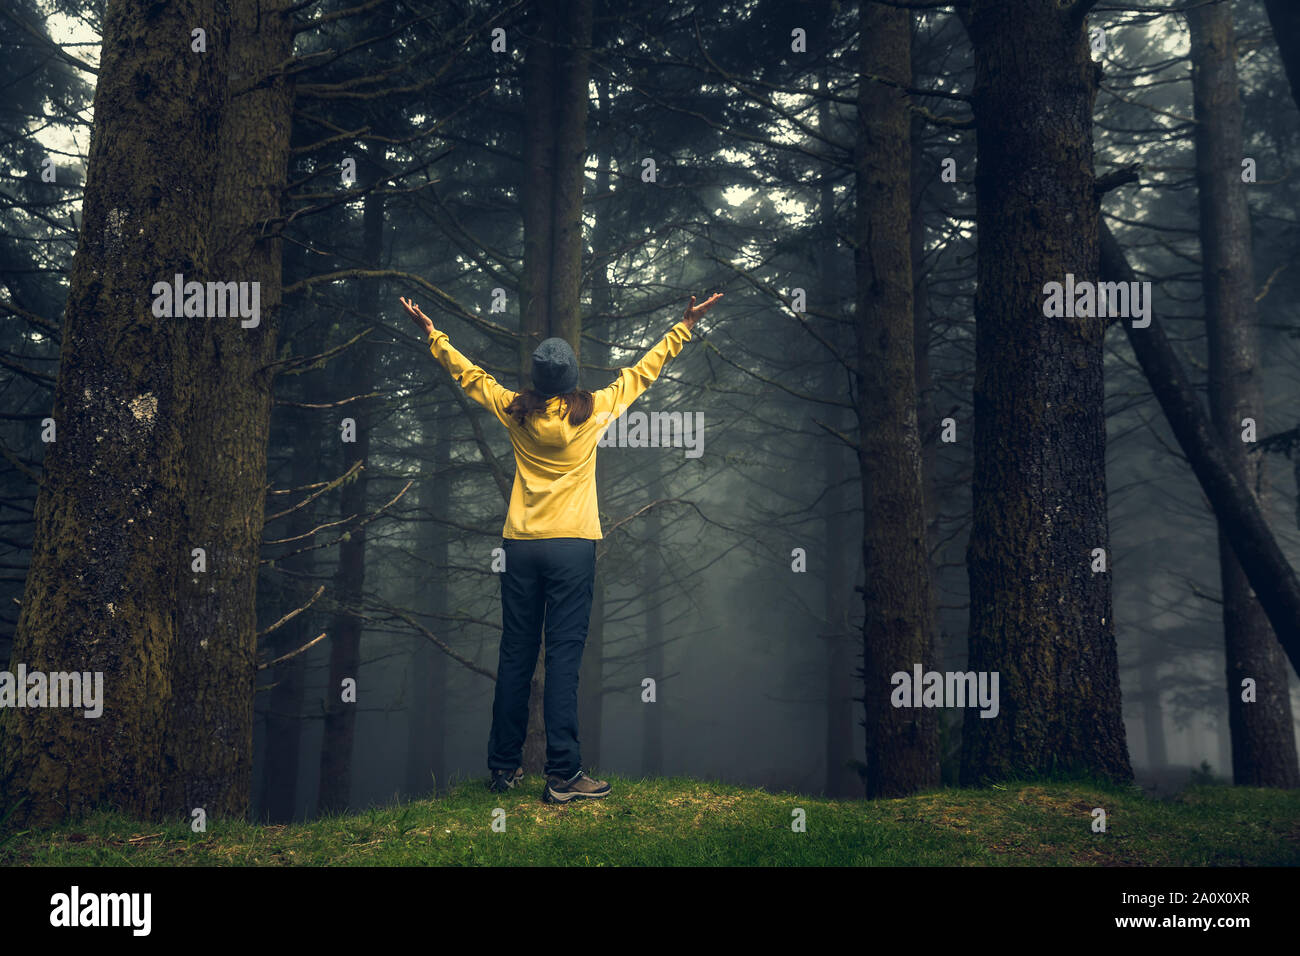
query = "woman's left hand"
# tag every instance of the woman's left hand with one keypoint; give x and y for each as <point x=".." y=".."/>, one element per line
<point x="420" y="318"/>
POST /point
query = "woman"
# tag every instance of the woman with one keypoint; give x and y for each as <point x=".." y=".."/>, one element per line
<point x="549" y="538"/>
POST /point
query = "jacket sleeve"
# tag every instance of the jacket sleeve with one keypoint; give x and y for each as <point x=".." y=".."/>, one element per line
<point x="615" y="398"/>
<point x="478" y="384"/>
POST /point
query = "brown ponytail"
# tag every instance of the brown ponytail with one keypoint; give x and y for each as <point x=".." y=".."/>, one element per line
<point x="578" y="404"/>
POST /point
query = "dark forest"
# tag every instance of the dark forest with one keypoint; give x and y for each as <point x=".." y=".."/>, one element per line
<point x="975" y="492"/>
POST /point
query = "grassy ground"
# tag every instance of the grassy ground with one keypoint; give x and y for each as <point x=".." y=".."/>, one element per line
<point x="665" y="821"/>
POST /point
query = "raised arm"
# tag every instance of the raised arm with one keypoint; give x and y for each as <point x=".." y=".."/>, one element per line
<point x="614" y="399"/>
<point x="478" y="384"/>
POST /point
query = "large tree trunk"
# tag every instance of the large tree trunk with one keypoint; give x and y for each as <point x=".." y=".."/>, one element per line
<point x="111" y="541"/>
<point x="227" y="422"/>
<point x="349" y="579"/>
<point x="1276" y="586"/>
<point x="1263" y="738"/>
<point x="1039" y="616"/>
<point x="902" y="746"/>
<point x="555" y="150"/>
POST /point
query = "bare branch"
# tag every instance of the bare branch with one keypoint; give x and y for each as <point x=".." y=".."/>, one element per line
<point x="440" y="644"/>
<point x="1116" y="178"/>
<point x="43" y="324"/>
<point x="838" y="434"/>
<point x="292" y="614"/>
<point x="49" y="44"/>
<point x="18" y="463"/>
<point x="284" y="657"/>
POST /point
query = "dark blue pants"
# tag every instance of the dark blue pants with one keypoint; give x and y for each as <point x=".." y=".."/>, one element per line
<point x="550" y="581"/>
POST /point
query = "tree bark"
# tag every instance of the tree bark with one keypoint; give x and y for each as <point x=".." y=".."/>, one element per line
<point x="927" y="424"/>
<point x="1263" y="738"/>
<point x="111" y="539"/>
<point x="925" y="405"/>
<point x="227" y="423"/>
<point x="902" y="746"/>
<point x="1039" y="616"/>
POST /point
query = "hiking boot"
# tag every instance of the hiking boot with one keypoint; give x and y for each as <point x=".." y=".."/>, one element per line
<point x="577" y="787"/>
<point x="503" y="780"/>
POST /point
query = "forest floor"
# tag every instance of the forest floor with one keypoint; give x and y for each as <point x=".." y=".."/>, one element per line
<point x="676" y="821"/>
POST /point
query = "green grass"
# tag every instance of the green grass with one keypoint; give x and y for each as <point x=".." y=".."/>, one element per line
<point x="683" y="822"/>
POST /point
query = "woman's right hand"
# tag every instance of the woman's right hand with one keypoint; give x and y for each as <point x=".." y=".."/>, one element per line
<point x="693" y="311"/>
<point x="422" y="320"/>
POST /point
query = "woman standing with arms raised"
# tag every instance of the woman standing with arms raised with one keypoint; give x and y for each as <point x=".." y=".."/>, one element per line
<point x="549" y="538"/>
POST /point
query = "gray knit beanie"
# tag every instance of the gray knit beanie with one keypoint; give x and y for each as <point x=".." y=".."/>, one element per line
<point x="555" y="368"/>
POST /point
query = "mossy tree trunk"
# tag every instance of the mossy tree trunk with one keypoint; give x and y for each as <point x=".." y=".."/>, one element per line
<point x="1262" y="732"/>
<point x="227" y="424"/>
<point x="112" y="539"/>
<point x="902" y="746"/>
<point x="1039" y="616"/>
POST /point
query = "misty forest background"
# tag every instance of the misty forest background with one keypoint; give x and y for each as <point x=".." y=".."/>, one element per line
<point x="603" y="163"/>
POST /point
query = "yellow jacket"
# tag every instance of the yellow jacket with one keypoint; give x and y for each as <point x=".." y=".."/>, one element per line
<point x="554" y="494"/>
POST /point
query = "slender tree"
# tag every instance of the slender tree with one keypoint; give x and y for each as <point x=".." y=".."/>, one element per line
<point x="902" y="743"/>
<point x="1153" y="722"/>
<point x="426" y="752"/>
<point x="282" y="739"/>
<point x="1263" y="736"/>
<point x="837" y="572"/>
<point x="349" y="580"/>
<point x="653" y="591"/>
<point x="1276" y="585"/>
